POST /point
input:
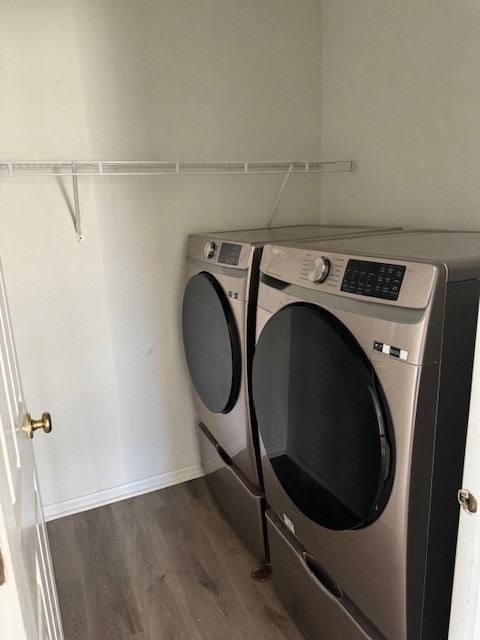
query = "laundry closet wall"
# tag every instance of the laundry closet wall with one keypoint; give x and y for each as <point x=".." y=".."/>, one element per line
<point x="98" y="322"/>
<point x="401" y="94"/>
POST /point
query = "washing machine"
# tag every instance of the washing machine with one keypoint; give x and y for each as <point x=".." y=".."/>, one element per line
<point x="218" y="318"/>
<point x="361" y="384"/>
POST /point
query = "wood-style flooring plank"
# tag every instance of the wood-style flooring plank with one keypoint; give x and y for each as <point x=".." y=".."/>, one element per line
<point x="68" y="576"/>
<point x="110" y="598"/>
<point x="163" y="566"/>
<point x="162" y="616"/>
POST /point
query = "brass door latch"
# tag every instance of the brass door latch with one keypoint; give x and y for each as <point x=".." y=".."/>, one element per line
<point x="32" y="425"/>
<point x="467" y="501"/>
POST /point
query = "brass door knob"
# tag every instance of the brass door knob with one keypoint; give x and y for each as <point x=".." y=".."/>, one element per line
<point x="32" y="425"/>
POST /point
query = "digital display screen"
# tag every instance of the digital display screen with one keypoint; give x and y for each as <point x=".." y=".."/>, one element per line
<point x="373" y="279"/>
<point x="229" y="253"/>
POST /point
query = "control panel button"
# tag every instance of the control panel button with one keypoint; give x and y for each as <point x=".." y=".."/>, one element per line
<point x="319" y="270"/>
<point x="209" y="250"/>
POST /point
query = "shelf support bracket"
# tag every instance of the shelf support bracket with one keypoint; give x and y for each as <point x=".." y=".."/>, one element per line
<point x="76" y="205"/>
<point x="279" y="196"/>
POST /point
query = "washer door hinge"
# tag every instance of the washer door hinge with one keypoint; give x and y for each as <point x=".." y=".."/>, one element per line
<point x="467" y="501"/>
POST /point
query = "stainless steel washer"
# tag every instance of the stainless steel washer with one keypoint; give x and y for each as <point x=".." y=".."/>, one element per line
<point x="361" y="384"/>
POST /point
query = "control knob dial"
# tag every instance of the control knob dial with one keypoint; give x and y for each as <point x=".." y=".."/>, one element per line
<point x="209" y="249"/>
<point x="319" y="270"/>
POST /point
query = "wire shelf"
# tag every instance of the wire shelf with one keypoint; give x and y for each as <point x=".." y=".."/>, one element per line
<point x="74" y="169"/>
<point x="152" y="167"/>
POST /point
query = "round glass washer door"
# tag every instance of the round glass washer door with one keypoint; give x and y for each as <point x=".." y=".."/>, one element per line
<point x="211" y="342"/>
<point x="321" y="418"/>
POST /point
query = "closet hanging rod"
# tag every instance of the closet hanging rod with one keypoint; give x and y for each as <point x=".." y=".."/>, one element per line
<point x="66" y="168"/>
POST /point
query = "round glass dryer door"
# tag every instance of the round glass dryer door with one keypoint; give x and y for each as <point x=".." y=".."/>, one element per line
<point x="321" y="418"/>
<point x="212" y="345"/>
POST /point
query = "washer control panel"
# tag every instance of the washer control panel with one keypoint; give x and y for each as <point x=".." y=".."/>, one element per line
<point x="373" y="279"/>
<point x="229" y="253"/>
<point x="211" y="250"/>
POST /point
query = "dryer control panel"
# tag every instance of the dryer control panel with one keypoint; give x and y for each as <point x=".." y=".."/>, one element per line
<point x="403" y="283"/>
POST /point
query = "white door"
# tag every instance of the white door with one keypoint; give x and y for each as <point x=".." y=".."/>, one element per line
<point x="28" y="598"/>
<point x="465" y="616"/>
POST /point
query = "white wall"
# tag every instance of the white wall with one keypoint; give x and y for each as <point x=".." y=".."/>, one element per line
<point x="97" y="323"/>
<point x="57" y="287"/>
<point x="401" y="95"/>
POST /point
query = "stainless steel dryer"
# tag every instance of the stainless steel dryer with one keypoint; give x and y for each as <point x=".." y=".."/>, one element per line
<point x="219" y="334"/>
<point x="361" y="384"/>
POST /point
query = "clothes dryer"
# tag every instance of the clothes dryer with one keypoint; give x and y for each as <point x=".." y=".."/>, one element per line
<point x="361" y="385"/>
<point x="218" y="319"/>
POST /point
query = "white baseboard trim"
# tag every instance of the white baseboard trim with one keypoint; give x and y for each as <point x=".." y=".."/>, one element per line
<point x="121" y="492"/>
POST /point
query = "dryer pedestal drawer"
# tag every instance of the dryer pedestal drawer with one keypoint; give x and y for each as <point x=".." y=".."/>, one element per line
<point x="243" y="504"/>
<point x="318" y="605"/>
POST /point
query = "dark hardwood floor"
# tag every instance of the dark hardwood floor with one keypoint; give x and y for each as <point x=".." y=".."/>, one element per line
<point x="163" y="566"/>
